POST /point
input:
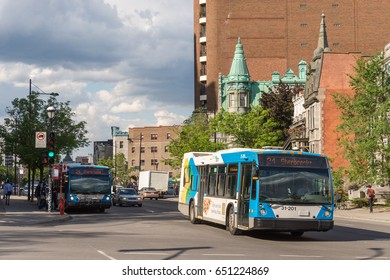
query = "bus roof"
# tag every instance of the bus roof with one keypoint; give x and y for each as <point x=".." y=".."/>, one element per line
<point x="204" y="158"/>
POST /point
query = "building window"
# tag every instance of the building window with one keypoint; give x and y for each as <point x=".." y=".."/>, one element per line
<point x="335" y="5"/>
<point x="154" y="162"/>
<point x="121" y="144"/>
<point x="168" y="135"/>
<point x="202" y="30"/>
<point x="153" y="136"/>
<point x="166" y="149"/>
<point x="203" y="49"/>
<point x="142" y="149"/>
<point x="243" y="99"/>
<point x="142" y="162"/>
<point x="203" y="69"/>
<point x="232" y="100"/>
<point x="202" y="12"/>
<point x="304" y="25"/>
<point x="337" y="25"/>
<point x="153" y="149"/>
<point x="304" y="45"/>
<point x="133" y="162"/>
<point x="132" y="150"/>
<point x="335" y="45"/>
<point x="302" y="5"/>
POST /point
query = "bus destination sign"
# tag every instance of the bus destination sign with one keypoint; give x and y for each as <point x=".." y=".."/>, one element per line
<point x="297" y="161"/>
<point x="88" y="171"/>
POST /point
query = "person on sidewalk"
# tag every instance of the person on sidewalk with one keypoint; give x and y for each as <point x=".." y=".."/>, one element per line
<point x="370" y="196"/>
<point x="7" y="191"/>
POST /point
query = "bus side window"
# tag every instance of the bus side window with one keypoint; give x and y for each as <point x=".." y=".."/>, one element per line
<point x="212" y="181"/>
<point x="231" y="184"/>
<point x="221" y="184"/>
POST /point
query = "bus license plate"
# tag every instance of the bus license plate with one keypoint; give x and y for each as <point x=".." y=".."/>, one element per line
<point x="304" y="213"/>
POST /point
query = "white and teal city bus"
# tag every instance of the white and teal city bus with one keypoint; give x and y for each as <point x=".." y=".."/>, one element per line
<point x="258" y="189"/>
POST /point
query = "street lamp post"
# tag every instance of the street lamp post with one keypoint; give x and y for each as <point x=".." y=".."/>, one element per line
<point x="50" y="113"/>
<point x="140" y="149"/>
<point x="30" y="195"/>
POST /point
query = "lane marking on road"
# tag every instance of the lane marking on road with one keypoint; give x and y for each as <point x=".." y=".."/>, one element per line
<point x="145" y="253"/>
<point x="301" y="256"/>
<point x="107" y="256"/>
<point x="371" y="258"/>
<point x="232" y="255"/>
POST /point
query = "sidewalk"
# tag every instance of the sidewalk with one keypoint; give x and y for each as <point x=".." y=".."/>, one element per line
<point x="380" y="214"/>
<point x="22" y="212"/>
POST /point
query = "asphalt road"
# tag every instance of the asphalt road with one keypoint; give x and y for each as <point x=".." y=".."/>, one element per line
<point x="157" y="231"/>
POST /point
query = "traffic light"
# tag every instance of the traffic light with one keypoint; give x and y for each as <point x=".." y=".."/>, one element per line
<point x="50" y="147"/>
<point x="44" y="158"/>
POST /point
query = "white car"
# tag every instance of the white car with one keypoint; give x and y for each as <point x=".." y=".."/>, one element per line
<point x="149" y="193"/>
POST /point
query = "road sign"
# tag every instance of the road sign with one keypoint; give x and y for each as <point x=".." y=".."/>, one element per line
<point x="40" y="139"/>
<point x="8" y="160"/>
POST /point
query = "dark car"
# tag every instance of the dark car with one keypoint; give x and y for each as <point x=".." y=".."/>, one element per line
<point x="127" y="197"/>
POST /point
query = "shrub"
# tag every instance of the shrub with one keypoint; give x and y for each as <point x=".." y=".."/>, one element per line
<point x="360" y="202"/>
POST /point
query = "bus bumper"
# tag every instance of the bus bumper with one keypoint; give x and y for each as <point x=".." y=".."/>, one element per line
<point x="292" y="225"/>
<point x="89" y="205"/>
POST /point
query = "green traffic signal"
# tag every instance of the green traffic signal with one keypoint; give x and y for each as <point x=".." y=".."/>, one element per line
<point x="51" y="154"/>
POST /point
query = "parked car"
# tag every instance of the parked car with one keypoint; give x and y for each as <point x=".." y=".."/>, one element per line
<point x="127" y="196"/>
<point x="149" y="193"/>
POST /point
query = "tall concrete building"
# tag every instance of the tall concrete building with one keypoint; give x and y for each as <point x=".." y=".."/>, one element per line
<point x="277" y="35"/>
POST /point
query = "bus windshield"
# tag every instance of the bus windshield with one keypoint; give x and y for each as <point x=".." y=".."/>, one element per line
<point x="85" y="184"/>
<point x="289" y="185"/>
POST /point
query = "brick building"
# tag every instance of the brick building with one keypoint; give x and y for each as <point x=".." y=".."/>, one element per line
<point x="277" y="35"/>
<point x="147" y="147"/>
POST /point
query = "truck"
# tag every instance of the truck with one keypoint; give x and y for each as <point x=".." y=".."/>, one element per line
<point x="154" y="179"/>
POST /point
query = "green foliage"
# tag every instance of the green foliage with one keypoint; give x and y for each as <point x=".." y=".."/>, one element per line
<point x="195" y="135"/>
<point x="252" y="130"/>
<point x="360" y="202"/>
<point x="28" y="115"/>
<point x="119" y="169"/>
<point x="280" y="105"/>
<point x="365" y="122"/>
<point x="338" y="180"/>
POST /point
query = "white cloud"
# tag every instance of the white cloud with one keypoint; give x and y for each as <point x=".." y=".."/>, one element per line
<point x="118" y="62"/>
<point x="123" y="107"/>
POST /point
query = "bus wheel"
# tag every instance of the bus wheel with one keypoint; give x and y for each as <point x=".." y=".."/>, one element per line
<point x="230" y="223"/>
<point x="193" y="218"/>
<point x="297" y="233"/>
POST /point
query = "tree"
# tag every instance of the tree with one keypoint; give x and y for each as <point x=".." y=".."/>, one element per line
<point x="278" y="100"/>
<point x="195" y="135"/>
<point x="365" y="122"/>
<point x="254" y="129"/>
<point x="119" y="170"/>
<point x="28" y="115"/>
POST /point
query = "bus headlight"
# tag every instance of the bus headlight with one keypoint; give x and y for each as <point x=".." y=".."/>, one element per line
<point x="327" y="213"/>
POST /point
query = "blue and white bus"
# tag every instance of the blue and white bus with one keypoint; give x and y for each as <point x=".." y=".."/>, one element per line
<point x="86" y="186"/>
<point x="258" y="189"/>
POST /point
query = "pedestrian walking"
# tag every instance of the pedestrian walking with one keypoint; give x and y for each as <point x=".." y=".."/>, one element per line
<point x="370" y="196"/>
<point x="7" y="191"/>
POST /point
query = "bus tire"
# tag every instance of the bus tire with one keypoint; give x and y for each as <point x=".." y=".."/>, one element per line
<point x="192" y="216"/>
<point x="297" y="233"/>
<point x="230" y="222"/>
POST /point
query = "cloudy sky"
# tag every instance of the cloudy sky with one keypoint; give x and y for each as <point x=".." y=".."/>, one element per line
<point x="125" y="63"/>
